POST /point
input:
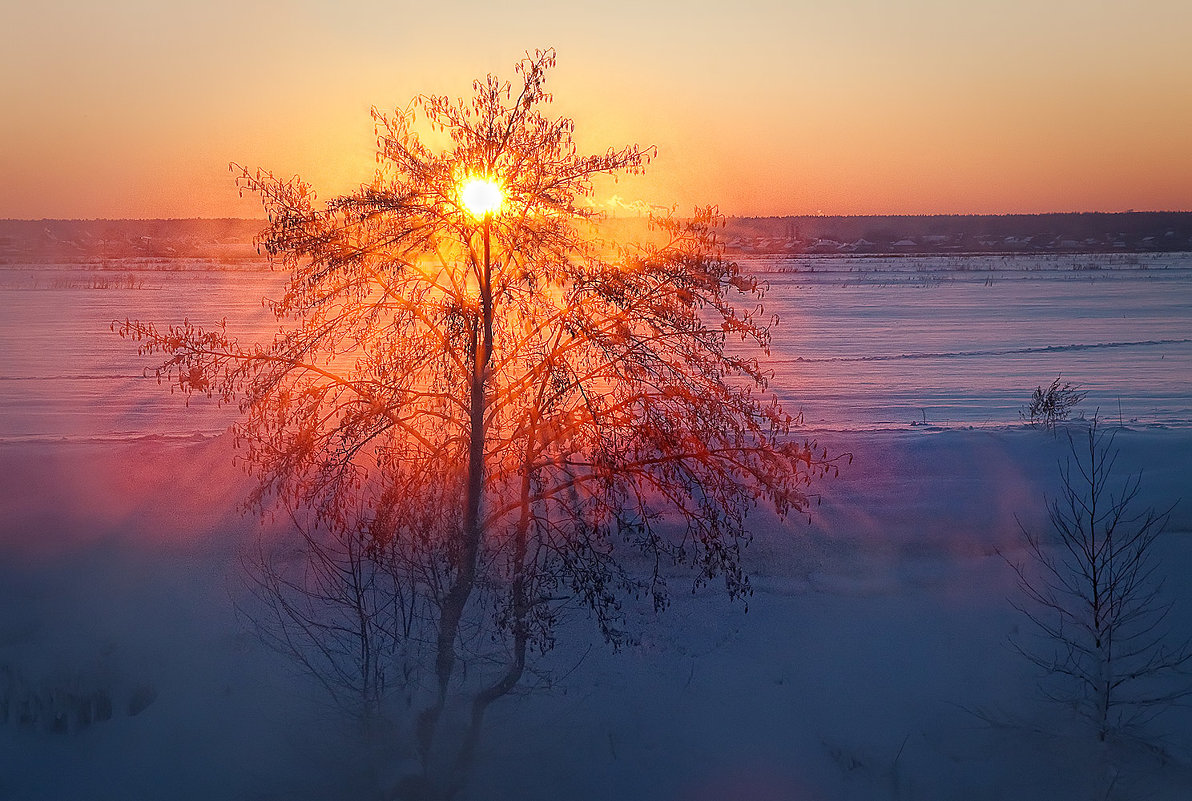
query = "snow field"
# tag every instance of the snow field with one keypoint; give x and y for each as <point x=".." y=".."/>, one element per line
<point x="873" y="634"/>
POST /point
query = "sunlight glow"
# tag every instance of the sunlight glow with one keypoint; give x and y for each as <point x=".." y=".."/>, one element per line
<point x="481" y="196"/>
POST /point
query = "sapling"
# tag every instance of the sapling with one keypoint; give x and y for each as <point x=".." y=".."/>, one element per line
<point x="1094" y="596"/>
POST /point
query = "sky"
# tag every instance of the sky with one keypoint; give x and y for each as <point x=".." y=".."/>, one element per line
<point x="134" y="108"/>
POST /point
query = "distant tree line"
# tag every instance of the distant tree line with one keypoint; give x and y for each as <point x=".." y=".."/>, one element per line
<point x="33" y="241"/>
<point x="39" y="241"/>
<point x="1128" y="232"/>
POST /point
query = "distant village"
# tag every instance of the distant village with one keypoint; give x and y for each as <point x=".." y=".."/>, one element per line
<point x="231" y="241"/>
<point x="1015" y="233"/>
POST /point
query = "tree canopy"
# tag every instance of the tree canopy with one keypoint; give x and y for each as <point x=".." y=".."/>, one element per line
<point x="512" y="411"/>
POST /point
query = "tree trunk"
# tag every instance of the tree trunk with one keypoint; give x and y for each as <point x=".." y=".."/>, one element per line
<point x="521" y="611"/>
<point x="465" y="577"/>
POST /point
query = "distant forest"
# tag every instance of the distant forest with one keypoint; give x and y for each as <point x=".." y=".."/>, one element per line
<point x="231" y="240"/>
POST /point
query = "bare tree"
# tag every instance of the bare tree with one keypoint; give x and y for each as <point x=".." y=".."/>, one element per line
<point x="514" y="415"/>
<point x="343" y="611"/>
<point x="1094" y="597"/>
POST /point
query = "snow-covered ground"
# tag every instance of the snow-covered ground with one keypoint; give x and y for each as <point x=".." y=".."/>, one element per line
<point x="872" y="635"/>
<point x="863" y="343"/>
<point x="876" y="631"/>
<point x="881" y="342"/>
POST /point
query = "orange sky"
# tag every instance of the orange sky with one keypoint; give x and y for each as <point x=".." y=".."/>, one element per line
<point x="133" y="108"/>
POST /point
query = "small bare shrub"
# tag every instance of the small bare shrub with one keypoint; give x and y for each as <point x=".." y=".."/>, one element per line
<point x="1053" y="404"/>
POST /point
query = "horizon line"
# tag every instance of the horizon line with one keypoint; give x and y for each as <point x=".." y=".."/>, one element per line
<point x="639" y="216"/>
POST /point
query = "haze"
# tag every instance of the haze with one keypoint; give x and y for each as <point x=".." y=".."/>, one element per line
<point x="134" y="109"/>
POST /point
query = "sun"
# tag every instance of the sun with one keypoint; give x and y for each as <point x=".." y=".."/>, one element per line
<point x="481" y="196"/>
